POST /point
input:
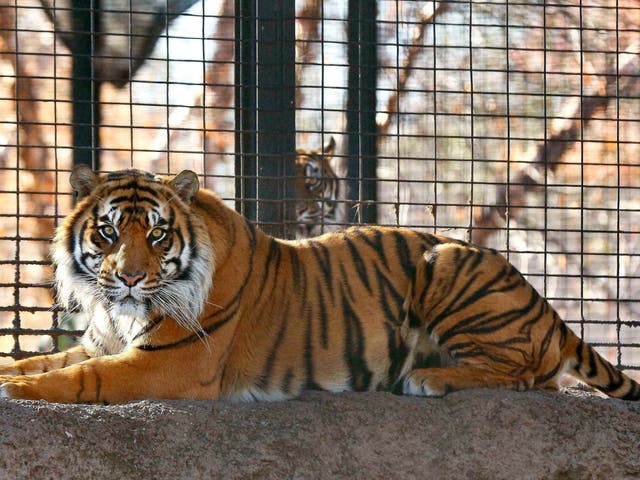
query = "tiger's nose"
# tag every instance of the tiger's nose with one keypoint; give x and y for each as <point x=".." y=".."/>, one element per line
<point x="130" y="278"/>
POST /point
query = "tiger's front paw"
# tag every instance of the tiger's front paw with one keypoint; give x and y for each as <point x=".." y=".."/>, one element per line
<point x="13" y="388"/>
<point x="422" y="387"/>
<point x="6" y="390"/>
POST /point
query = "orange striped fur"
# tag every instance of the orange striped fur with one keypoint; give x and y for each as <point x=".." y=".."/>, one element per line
<point x="189" y="300"/>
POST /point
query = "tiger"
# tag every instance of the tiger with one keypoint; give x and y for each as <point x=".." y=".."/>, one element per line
<point x="321" y="204"/>
<point x="188" y="299"/>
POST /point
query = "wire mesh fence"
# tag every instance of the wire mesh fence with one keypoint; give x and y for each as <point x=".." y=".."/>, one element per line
<point x="510" y="124"/>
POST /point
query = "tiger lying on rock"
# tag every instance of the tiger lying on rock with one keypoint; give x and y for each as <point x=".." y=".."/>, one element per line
<point x="187" y="299"/>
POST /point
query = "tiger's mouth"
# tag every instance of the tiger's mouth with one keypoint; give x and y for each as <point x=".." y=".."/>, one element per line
<point x="130" y="306"/>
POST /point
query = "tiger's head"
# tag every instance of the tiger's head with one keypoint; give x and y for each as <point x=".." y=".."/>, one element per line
<point x="132" y="246"/>
<point x="316" y="187"/>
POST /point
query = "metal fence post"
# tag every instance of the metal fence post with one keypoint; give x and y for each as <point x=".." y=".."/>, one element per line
<point x="265" y="111"/>
<point x="85" y="88"/>
<point x="361" y="109"/>
<point x="245" y="108"/>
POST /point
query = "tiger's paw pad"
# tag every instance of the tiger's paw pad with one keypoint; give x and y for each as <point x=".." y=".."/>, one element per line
<point x="420" y="388"/>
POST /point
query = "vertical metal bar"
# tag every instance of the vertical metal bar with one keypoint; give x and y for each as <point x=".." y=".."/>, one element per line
<point x="265" y="111"/>
<point x="353" y="107"/>
<point x="16" y="322"/>
<point x="368" y="127"/>
<point x="85" y="89"/>
<point x="618" y="192"/>
<point x="276" y="113"/>
<point x="361" y="109"/>
<point x="245" y="108"/>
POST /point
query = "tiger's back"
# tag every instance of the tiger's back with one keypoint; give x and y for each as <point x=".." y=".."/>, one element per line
<point x="187" y="299"/>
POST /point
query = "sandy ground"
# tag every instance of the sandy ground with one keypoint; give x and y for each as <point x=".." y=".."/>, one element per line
<point x="481" y="434"/>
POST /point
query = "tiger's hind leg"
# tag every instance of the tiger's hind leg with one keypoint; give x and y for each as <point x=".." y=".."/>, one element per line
<point x="477" y="307"/>
<point x="437" y="382"/>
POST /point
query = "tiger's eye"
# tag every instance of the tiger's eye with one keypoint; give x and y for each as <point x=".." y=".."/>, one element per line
<point x="157" y="234"/>
<point x="107" y="230"/>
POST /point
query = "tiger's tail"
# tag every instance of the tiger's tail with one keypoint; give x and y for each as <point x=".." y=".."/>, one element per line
<point x="587" y="365"/>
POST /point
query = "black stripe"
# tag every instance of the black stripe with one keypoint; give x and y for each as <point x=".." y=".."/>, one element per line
<point x="579" y="357"/>
<point x="273" y="258"/>
<point x="464" y="349"/>
<point x="477" y="324"/>
<point x="392" y="299"/>
<point x="344" y="283"/>
<point x="501" y="355"/>
<point x="404" y="254"/>
<point x="593" y="367"/>
<point x="287" y="379"/>
<point x="359" y="373"/>
<point x="265" y="377"/>
<point x="307" y="359"/>
<point x="323" y="258"/>
<point x="415" y="321"/>
<point x="178" y="233"/>
<point x="193" y="241"/>
<point x="541" y="379"/>
<point x="497" y="322"/>
<point x="461" y="293"/>
<point x="563" y="330"/>
<point x="79" y="264"/>
<point x="460" y="327"/>
<point x="191" y="338"/>
<point x="299" y="273"/>
<point x="466" y="299"/>
<point x="373" y="238"/>
<point x="322" y="314"/>
<point x="633" y="393"/>
<point x="134" y="199"/>
<point x="119" y="175"/>
<point x="549" y="335"/>
<point x="358" y="263"/>
<point x="250" y="229"/>
<point x="428" y="240"/>
<point x="398" y="352"/>
<point x="81" y="380"/>
<point x="71" y="244"/>
<point x="154" y="322"/>
<point x="614" y="376"/>
<point x="152" y="189"/>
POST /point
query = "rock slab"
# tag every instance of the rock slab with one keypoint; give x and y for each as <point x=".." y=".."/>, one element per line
<point x="477" y="434"/>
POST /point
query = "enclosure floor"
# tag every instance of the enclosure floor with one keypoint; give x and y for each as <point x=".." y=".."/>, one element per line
<point x="473" y="434"/>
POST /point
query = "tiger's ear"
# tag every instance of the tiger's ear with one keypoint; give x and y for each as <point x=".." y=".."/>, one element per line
<point x="83" y="180"/>
<point x="329" y="147"/>
<point x="186" y="185"/>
